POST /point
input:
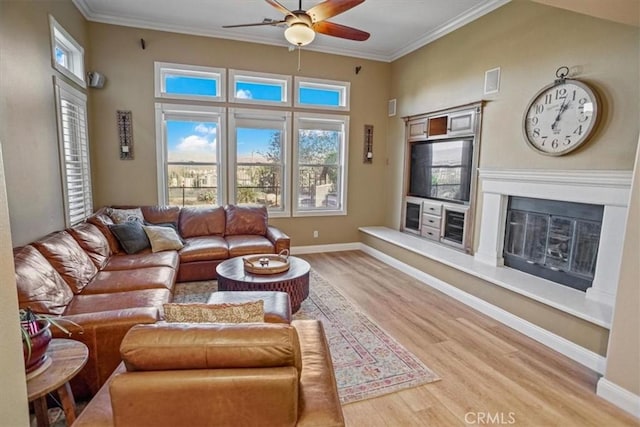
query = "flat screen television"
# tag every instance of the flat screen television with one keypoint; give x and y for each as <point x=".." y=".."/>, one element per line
<point x="441" y="170"/>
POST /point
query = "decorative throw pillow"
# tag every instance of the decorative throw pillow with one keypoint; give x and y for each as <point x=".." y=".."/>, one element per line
<point x="215" y="313"/>
<point x="163" y="238"/>
<point x="131" y="236"/>
<point x="120" y="216"/>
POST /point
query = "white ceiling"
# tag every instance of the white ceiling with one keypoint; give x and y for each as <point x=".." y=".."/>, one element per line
<point x="397" y="27"/>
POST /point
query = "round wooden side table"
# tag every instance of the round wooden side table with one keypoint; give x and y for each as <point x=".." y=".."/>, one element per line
<point x="295" y="281"/>
<point x="68" y="357"/>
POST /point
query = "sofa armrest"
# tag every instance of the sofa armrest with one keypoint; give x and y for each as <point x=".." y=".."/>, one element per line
<point x="102" y="332"/>
<point x="279" y="239"/>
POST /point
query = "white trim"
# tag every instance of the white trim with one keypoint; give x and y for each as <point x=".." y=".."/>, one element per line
<point x="619" y="396"/>
<point x="342" y="87"/>
<point x="284" y="81"/>
<point x="218" y="75"/>
<point x="573" y="351"/>
<point x="318" y="249"/>
<point x="562" y="298"/>
<point x="387" y="56"/>
<point x="75" y="71"/>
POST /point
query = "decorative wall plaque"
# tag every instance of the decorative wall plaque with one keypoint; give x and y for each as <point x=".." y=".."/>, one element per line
<point x="125" y="134"/>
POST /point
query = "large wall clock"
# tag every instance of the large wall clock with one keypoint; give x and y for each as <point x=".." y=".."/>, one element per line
<point x="561" y="116"/>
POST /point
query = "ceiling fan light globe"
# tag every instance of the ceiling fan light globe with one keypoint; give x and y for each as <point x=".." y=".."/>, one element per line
<point x="299" y="34"/>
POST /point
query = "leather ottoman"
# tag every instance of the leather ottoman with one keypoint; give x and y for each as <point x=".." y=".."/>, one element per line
<point x="277" y="307"/>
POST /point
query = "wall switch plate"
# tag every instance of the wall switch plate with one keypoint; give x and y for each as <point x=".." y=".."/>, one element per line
<point x="315" y="234"/>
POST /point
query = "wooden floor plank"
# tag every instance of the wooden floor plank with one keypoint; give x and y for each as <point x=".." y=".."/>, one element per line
<point x="487" y="369"/>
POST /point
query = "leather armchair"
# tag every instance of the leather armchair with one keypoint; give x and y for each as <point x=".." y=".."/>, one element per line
<point x="267" y="374"/>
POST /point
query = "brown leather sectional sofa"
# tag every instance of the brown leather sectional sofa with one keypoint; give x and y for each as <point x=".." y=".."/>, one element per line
<point x="83" y="275"/>
<point x="250" y="374"/>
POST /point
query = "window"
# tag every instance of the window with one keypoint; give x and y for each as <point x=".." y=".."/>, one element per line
<point x="192" y="82"/>
<point x="320" y="165"/>
<point x="325" y="94"/>
<point x="71" y="109"/>
<point x="67" y="56"/>
<point x="259" y="158"/>
<point x="259" y="88"/>
<point x="190" y="166"/>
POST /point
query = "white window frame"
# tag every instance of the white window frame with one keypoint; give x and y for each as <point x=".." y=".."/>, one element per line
<point x="343" y="88"/>
<point x="77" y="207"/>
<point x="255" y="77"/>
<point x="166" y="112"/>
<point x="161" y="69"/>
<point x="284" y="117"/>
<point x="75" y="53"/>
<point x="343" y="162"/>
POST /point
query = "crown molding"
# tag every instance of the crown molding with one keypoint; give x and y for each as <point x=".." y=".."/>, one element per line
<point x="427" y="38"/>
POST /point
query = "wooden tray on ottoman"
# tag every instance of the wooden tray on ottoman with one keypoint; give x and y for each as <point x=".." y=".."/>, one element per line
<point x="267" y="263"/>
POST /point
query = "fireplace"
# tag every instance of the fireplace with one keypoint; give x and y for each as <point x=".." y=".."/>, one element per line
<point x="553" y="239"/>
<point x="600" y="259"/>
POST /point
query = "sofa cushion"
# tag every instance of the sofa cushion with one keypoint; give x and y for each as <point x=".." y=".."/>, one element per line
<point x="143" y="259"/>
<point x="161" y="214"/>
<point x="40" y="287"/>
<point x="164" y="346"/>
<point x="120" y="216"/>
<point x="101" y="220"/>
<point x="93" y="242"/>
<point x="163" y="238"/>
<point x="131" y="280"/>
<point x="105" y="302"/>
<point x="241" y="312"/>
<point x="205" y="248"/>
<point x="131" y="236"/>
<point x="201" y="221"/>
<point x="67" y="257"/>
<point x="248" y="244"/>
<point x="246" y="220"/>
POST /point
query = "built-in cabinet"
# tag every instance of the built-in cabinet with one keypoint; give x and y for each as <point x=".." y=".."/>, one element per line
<point x="440" y="175"/>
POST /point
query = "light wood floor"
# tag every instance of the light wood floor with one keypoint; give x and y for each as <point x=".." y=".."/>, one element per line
<point x="491" y="374"/>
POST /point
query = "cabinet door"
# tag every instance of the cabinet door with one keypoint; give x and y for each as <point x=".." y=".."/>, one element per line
<point x="461" y="123"/>
<point x="417" y="130"/>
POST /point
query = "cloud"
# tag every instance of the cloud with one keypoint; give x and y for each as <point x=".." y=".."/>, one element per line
<point x="244" y="94"/>
<point x="196" y="143"/>
<point x="204" y="129"/>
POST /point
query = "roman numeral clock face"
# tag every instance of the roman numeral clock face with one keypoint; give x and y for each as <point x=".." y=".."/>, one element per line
<point x="561" y="117"/>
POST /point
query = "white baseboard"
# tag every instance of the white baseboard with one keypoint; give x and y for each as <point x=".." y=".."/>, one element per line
<point x="619" y="396"/>
<point x="336" y="247"/>
<point x="573" y="351"/>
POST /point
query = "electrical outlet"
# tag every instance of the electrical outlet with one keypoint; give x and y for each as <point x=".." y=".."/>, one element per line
<point x="315" y="234"/>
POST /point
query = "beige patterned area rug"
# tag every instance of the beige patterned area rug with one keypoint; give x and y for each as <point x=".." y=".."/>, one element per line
<point x="368" y="362"/>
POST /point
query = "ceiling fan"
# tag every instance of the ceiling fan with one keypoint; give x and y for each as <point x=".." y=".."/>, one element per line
<point x="302" y="25"/>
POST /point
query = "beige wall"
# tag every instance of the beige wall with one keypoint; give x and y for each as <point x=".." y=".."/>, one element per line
<point x="129" y="71"/>
<point x="13" y="404"/>
<point x="529" y="41"/>
<point x="623" y="11"/>
<point x="623" y="361"/>
<point x="28" y="114"/>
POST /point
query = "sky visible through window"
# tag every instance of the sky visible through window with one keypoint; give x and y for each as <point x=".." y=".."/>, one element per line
<point x="190" y="141"/>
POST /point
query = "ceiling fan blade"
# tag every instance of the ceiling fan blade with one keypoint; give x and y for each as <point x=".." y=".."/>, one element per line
<point x="257" y="24"/>
<point x="342" y="31"/>
<point x="280" y="7"/>
<point x="329" y="8"/>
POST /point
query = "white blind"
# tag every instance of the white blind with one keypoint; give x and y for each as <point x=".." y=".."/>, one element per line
<point x="74" y="152"/>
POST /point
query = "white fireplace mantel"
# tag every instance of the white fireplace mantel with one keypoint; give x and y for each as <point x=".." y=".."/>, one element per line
<point x="601" y="187"/>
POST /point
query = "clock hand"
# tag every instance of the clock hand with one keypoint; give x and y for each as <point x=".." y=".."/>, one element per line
<point x="561" y="110"/>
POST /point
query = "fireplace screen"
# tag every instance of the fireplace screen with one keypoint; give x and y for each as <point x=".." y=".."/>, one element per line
<point x="554" y="240"/>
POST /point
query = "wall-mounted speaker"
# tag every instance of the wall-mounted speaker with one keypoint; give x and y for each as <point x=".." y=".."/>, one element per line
<point x="492" y="81"/>
<point x="95" y="79"/>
